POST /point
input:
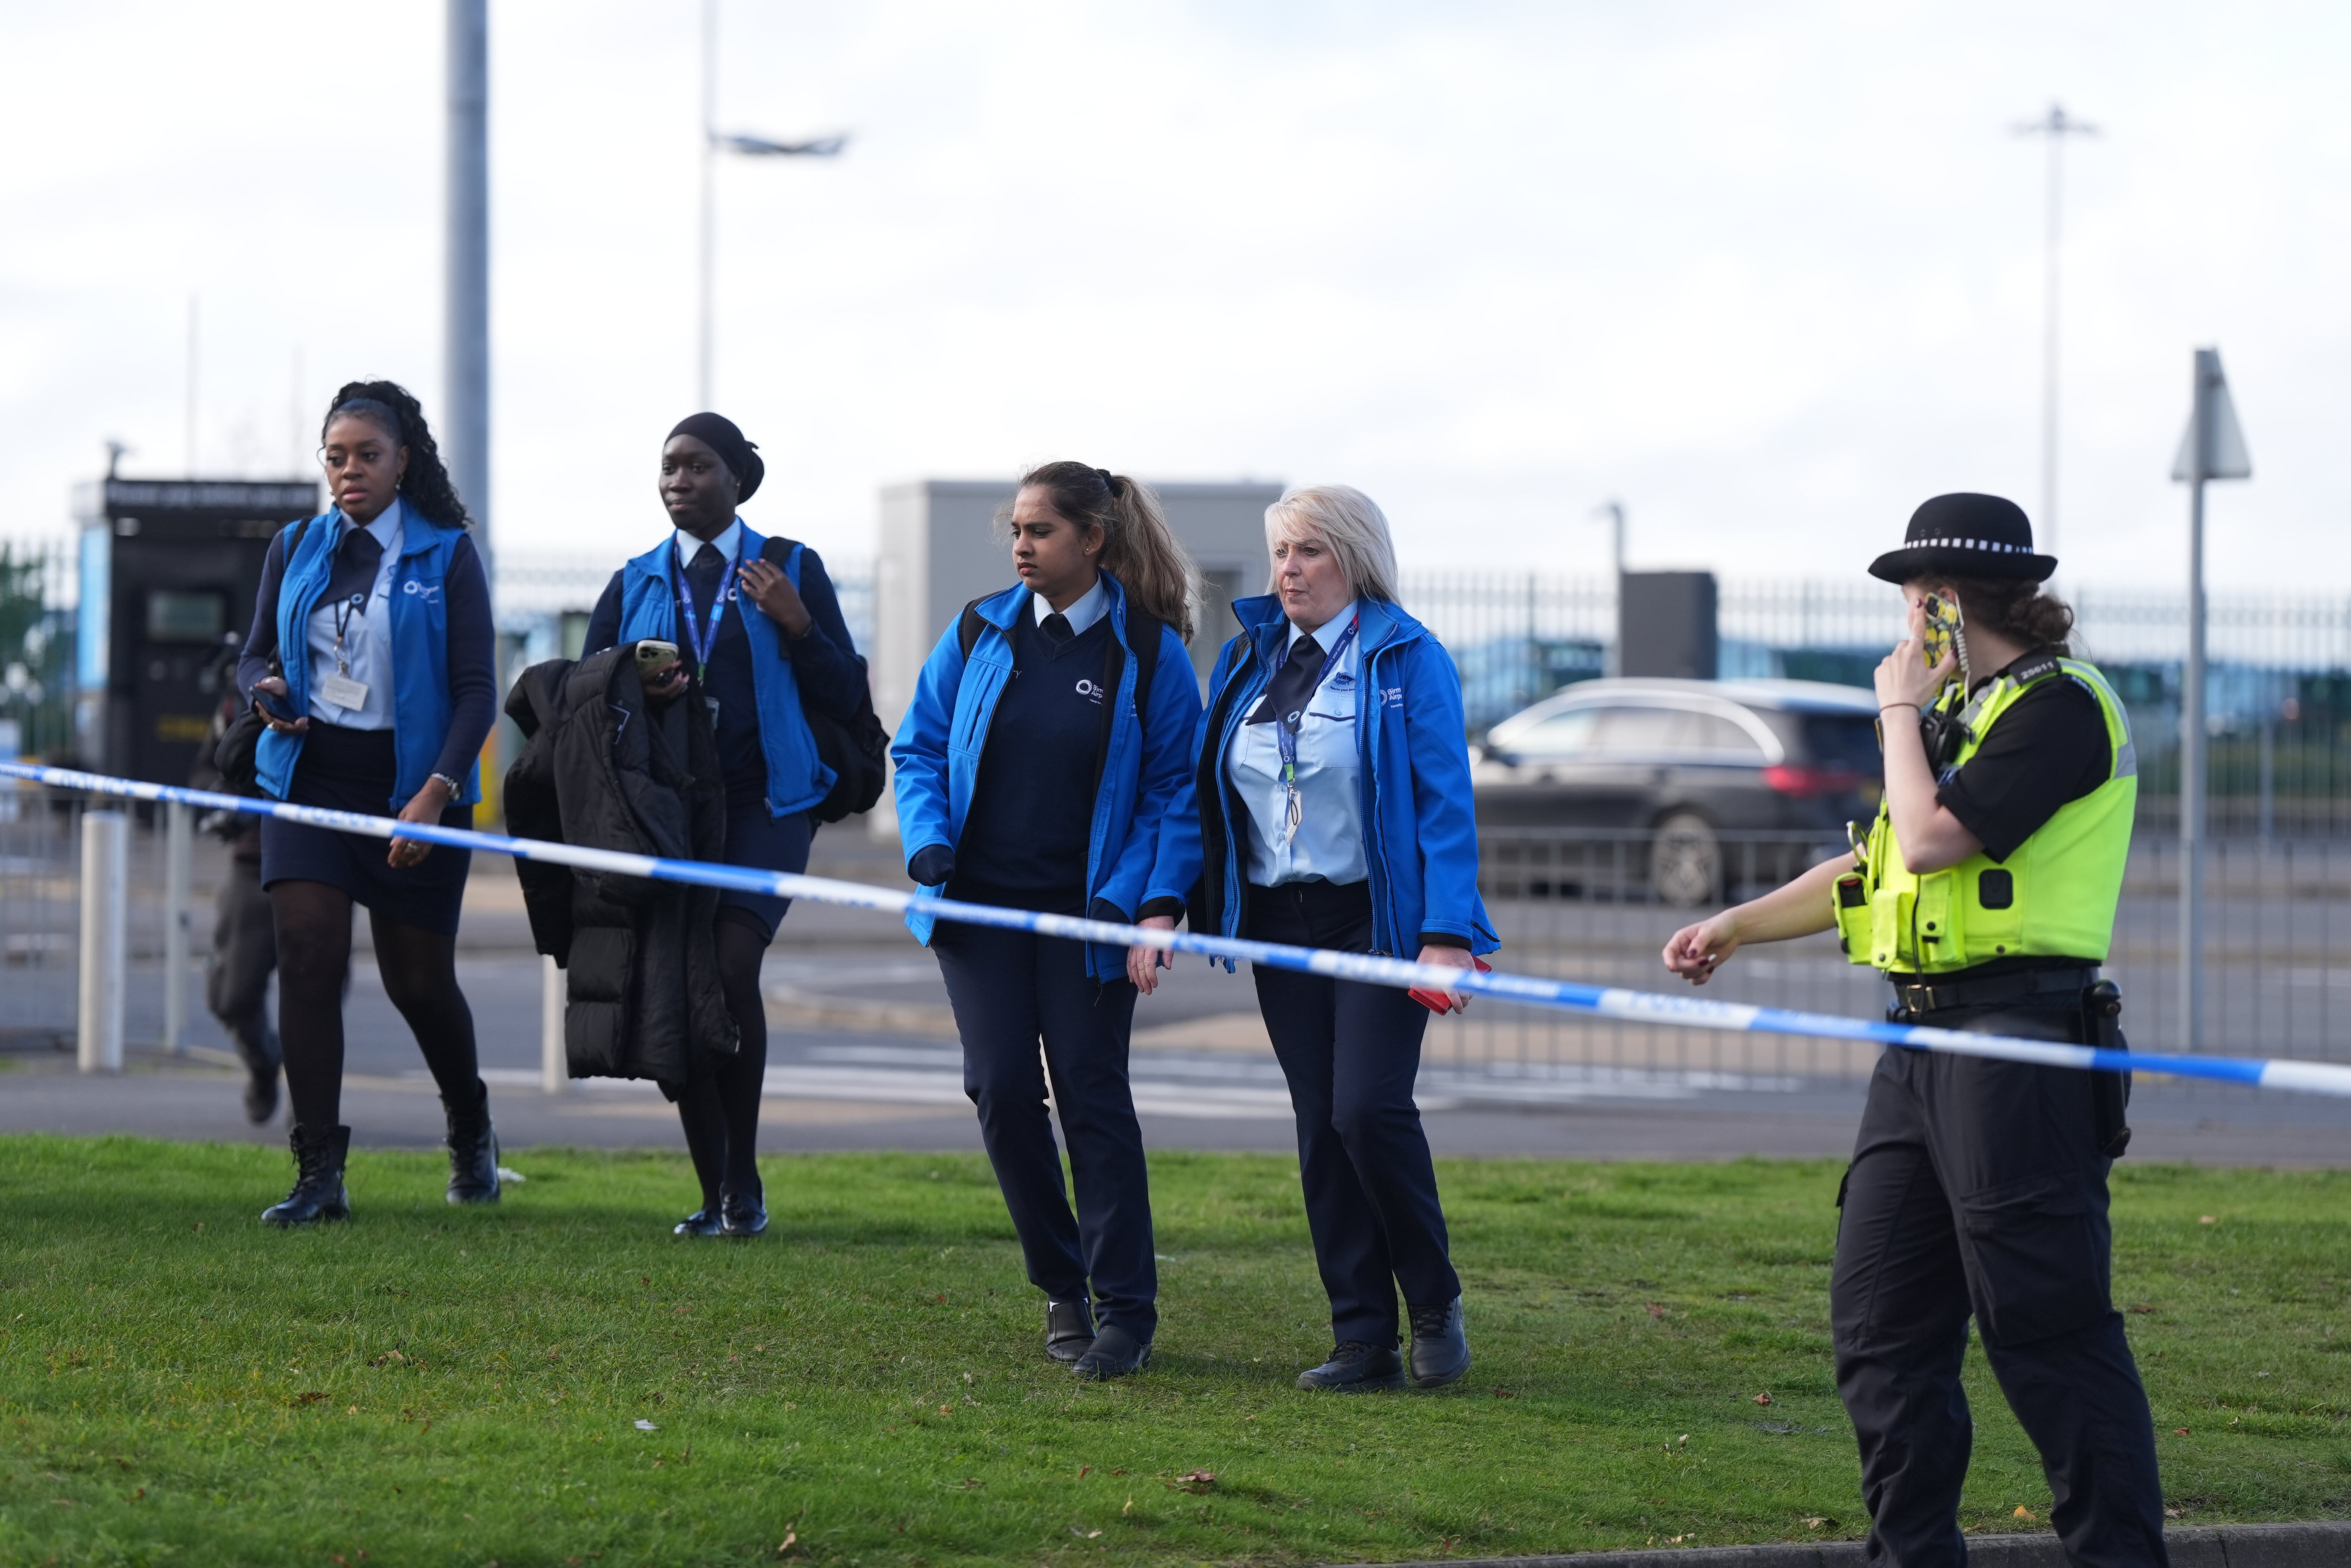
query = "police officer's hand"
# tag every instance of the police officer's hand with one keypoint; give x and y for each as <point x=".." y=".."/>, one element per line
<point x="1904" y="678"/>
<point x="1694" y="952"/>
<point x="1142" y="963"/>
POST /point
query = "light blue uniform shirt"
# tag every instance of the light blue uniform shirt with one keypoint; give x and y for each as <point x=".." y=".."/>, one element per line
<point x="366" y="654"/>
<point x="1329" y="843"/>
<point x="1090" y="608"/>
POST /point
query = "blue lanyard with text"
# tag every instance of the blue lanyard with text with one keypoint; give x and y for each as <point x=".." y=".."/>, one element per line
<point x="1285" y="733"/>
<point x="700" y="639"/>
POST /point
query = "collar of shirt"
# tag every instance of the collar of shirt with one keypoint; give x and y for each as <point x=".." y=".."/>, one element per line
<point x="1091" y="606"/>
<point x="688" y="546"/>
<point x="1339" y="620"/>
<point x="386" y="526"/>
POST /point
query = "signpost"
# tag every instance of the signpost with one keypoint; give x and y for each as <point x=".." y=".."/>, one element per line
<point x="2213" y="448"/>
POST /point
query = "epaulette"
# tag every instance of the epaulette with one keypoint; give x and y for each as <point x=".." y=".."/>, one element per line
<point x="2033" y="667"/>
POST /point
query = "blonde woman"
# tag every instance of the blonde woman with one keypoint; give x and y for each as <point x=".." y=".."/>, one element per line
<point x="1330" y="808"/>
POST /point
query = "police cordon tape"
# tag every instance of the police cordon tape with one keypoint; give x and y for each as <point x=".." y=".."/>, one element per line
<point x="1531" y="991"/>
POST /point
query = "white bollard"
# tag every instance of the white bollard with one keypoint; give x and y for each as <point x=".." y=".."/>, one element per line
<point x="554" y="1073"/>
<point x="179" y="850"/>
<point x="105" y="933"/>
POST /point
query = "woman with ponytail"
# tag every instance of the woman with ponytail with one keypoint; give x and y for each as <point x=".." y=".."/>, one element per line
<point x="373" y="660"/>
<point x="1050" y="729"/>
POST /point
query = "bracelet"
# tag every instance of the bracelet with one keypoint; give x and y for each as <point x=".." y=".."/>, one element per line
<point x="1912" y="706"/>
<point x="455" y="789"/>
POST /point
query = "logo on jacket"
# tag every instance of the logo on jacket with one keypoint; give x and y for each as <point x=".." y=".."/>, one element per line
<point x="430" y="591"/>
<point x="1091" y="690"/>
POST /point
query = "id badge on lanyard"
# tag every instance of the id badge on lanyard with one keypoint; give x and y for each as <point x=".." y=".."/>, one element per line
<point x="339" y="690"/>
<point x="1285" y="737"/>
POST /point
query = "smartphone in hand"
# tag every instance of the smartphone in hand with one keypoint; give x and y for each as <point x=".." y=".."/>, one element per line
<point x="1442" y="1002"/>
<point x="1943" y="628"/>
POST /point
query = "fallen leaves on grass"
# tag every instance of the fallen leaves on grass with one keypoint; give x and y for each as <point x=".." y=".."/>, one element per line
<point x="1656" y="1309"/>
<point x="1194" y="1482"/>
<point x="1500" y="1393"/>
<point x="389" y="1358"/>
<point x="2206" y="1219"/>
<point x="645" y="1426"/>
<point x="2142" y="1308"/>
<point x="2023" y="1513"/>
<point x="2178" y="1431"/>
<point x="791" y="1539"/>
<point x="1763" y="1398"/>
<point x="1821" y="1521"/>
<point x="1084" y="1471"/>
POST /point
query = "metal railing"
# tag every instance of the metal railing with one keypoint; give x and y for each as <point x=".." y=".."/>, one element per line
<point x="1589" y="906"/>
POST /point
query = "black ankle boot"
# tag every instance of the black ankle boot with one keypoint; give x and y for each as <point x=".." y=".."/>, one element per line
<point x="1440" y="1348"/>
<point x="319" y="1156"/>
<point x="473" y="1150"/>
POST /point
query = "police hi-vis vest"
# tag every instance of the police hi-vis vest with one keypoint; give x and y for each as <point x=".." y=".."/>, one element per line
<point x="2055" y="897"/>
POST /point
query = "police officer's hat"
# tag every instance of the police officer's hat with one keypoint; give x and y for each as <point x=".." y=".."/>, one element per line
<point x="1967" y="536"/>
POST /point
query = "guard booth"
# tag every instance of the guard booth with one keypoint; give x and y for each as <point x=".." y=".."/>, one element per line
<point x="168" y="566"/>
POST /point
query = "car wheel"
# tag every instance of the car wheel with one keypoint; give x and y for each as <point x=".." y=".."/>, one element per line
<point x="1686" y="862"/>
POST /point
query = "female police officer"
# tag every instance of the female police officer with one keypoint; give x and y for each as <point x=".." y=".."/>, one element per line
<point x="1986" y="892"/>
<point x="1050" y="730"/>
<point x="1330" y="808"/>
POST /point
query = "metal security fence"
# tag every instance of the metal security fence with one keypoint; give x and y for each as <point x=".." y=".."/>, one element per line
<point x="1593" y="907"/>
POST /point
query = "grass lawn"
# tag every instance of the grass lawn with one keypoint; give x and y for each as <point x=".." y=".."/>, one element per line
<point x="426" y="1384"/>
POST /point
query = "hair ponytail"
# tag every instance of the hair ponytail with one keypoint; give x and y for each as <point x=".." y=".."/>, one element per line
<point x="2018" y="611"/>
<point x="394" y="409"/>
<point x="1138" y="547"/>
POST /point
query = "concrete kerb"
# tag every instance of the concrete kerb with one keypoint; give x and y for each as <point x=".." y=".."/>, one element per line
<point x="2318" y="1545"/>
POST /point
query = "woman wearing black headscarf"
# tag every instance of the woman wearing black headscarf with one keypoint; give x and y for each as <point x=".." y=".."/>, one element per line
<point x="757" y="670"/>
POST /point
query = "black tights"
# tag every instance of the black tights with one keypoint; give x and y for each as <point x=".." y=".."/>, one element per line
<point x="720" y="1103"/>
<point x="419" y="975"/>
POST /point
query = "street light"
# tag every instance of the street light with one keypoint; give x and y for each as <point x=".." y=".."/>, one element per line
<point x="1615" y="512"/>
<point x="713" y="144"/>
<point x="2057" y="127"/>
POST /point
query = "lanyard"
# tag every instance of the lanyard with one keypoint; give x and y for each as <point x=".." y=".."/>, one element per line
<point x="344" y="610"/>
<point x="1285" y="736"/>
<point x="700" y="638"/>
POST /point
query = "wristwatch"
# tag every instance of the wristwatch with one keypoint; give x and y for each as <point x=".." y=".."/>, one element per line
<point x="455" y="789"/>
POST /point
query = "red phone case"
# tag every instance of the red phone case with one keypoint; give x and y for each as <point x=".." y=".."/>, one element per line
<point x="1438" y="1001"/>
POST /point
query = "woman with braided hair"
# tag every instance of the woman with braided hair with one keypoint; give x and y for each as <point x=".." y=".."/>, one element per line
<point x="373" y="661"/>
<point x="1050" y="729"/>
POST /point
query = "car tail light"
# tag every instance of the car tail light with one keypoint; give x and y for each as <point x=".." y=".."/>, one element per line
<point x="1790" y="778"/>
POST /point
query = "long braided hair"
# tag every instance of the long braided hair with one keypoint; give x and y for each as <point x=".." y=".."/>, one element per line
<point x="394" y="409"/>
<point x="1138" y="547"/>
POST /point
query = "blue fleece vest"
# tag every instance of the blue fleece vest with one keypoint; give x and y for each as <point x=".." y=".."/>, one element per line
<point x="797" y="777"/>
<point x="420" y="708"/>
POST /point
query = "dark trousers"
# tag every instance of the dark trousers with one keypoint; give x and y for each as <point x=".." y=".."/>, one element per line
<point x="1976" y="1187"/>
<point x="245" y="955"/>
<point x="1350" y="1053"/>
<point x="1011" y="988"/>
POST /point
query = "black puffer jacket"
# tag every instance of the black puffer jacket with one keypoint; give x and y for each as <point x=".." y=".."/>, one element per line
<point x="606" y="770"/>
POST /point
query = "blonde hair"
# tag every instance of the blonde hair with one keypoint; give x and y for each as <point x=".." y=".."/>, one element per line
<point x="1138" y="547"/>
<point x="1350" y="522"/>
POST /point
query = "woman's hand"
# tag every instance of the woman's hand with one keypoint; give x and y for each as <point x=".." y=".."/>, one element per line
<point x="425" y="806"/>
<point x="664" y="685"/>
<point x="276" y="686"/>
<point x="1450" y="958"/>
<point x="1694" y="952"/>
<point x="1144" y="964"/>
<point x="1904" y="678"/>
<point x="765" y="584"/>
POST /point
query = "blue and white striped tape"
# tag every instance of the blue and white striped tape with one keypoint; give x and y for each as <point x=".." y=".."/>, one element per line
<point x="1567" y="996"/>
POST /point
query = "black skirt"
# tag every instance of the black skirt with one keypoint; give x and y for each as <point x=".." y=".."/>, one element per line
<point x="353" y="770"/>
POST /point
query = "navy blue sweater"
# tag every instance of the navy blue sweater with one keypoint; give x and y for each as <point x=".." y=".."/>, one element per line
<point x="825" y="663"/>
<point x="1031" y="818"/>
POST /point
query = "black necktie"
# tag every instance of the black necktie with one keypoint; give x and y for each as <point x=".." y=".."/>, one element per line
<point x="1056" y="628"/>
<point x="702" y="576"/>
<point x="1292" y="685"/>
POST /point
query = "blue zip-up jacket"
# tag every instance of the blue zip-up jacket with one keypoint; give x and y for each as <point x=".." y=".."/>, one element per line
<point x="797" y="776"/>
<point x="422" y="704"/>
<point x="936" y="757"/>
<point x="1420" y="831"/>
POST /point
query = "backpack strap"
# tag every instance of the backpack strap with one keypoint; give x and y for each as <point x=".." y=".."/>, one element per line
<point x="969" y="624"/>
<point x="1143" y="631"/>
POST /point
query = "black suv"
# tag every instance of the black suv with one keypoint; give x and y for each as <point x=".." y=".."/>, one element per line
<point x="1690" y="760"/>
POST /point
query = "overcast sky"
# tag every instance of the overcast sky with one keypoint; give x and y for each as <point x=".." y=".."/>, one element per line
<point x="1769" y="273"/>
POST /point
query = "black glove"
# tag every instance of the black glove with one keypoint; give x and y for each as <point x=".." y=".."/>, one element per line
<point x="932" y="866"/>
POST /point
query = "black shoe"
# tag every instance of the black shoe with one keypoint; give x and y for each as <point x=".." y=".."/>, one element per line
<point x="741" y="1216"/>
<point x="1068" y="1329"/>
<point x="319" y="1156"/>
<point x="703" y="1222"/>
<point x="473" y="1151"/>
<point x="1356" y="1367"/>
<point x="259" y="1049"/>
<point x="1440" y="1349"/>
<point x="1114" y="1354"/>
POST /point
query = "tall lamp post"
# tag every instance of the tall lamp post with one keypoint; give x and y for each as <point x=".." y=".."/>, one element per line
<point x="2213" y="448"/>
<point x="1614" y="664"/>
<point x="713" y="144"/>
<point x="2056" y="127"/>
